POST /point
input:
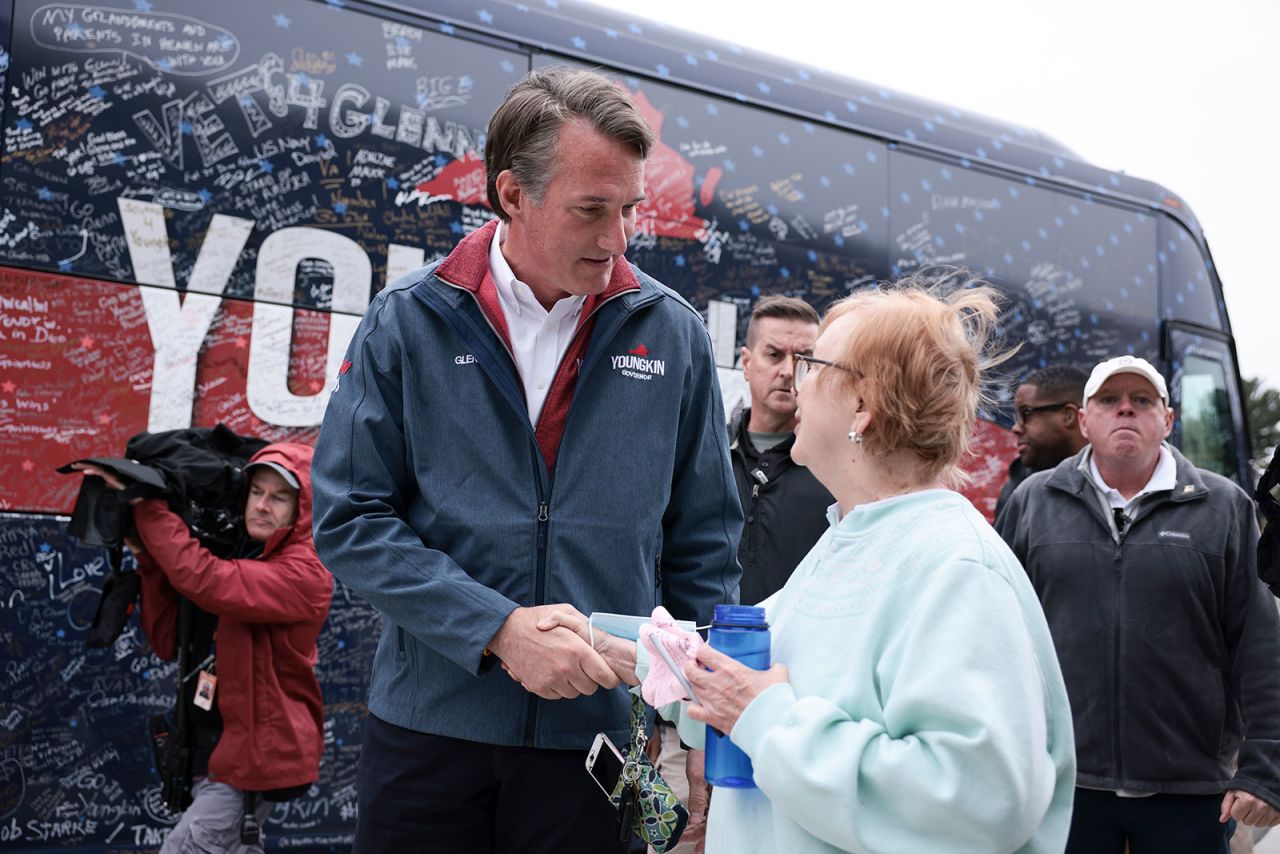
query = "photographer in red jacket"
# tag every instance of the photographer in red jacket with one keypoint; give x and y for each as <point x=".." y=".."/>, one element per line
<point x="271" y="604"/>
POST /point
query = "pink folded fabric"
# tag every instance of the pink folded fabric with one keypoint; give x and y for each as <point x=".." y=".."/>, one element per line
<point x="661" y="685"/>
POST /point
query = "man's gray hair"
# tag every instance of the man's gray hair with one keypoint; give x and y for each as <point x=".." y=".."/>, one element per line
<point x="523" y="131"/>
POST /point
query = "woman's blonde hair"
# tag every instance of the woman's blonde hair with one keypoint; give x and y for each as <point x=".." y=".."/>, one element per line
<point x="920" y="350"/>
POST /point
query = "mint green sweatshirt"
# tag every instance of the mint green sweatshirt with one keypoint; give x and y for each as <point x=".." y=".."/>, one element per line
<point x="925" y="710"/>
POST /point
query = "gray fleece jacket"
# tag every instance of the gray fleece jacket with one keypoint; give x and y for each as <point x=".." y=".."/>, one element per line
<point x="1169" y="642"/>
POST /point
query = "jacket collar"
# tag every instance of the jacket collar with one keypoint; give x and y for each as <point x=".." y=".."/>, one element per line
<point x="1070" y="476"/>
<point x="741" y="438"/>
<point x="467" y="267"/>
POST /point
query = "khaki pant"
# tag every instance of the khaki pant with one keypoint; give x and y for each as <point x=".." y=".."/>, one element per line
<point x="212" y="822"/>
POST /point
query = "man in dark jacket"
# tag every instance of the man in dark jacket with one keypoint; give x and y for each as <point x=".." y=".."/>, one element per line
<point x="1146" y="568"/>
<point x="529" y="424"/>
<point x="1268" y="497"/>
<point x="784" y="505"/>
<point x="271" y="605"/>
<point x="1046" y="423"/>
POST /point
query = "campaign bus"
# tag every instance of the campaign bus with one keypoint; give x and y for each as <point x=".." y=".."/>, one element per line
<point x="199" y="200"/>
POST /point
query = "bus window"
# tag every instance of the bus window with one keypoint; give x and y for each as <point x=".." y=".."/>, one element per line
<point x="1206" y="403"/>
<point x="1186" y="286"/>
<point x="1080" y="275"/>
<point x="743" y="202"/>
<point x="362" y="133"/>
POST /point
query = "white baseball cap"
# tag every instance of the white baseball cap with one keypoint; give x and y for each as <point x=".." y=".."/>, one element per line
<point x="1124" y="365"/>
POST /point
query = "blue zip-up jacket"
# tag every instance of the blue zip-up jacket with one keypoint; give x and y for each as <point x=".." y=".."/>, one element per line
<point x="434" y="499"/>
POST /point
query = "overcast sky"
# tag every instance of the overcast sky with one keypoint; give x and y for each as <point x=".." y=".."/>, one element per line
<point x="1181" y="93"/>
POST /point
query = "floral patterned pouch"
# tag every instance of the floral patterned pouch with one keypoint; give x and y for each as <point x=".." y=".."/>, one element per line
<point x="644" y="800"/>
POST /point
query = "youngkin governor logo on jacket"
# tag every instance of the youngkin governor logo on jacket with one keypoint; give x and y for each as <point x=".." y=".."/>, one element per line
<point x="637" y="365"/>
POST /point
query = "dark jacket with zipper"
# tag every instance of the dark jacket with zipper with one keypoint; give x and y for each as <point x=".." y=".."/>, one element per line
<point x="785" y="511"/>
<point x="439" y="503"/>
<point x="1169" y="642"/>
<point x="1018" y="472"/>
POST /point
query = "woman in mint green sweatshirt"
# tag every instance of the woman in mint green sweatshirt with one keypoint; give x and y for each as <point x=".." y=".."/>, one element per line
<point x="915" y="704"/>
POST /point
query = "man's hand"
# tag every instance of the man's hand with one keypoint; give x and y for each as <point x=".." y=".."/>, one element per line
<point x="726" y="687"/>
<point x="1248" y="810"/>
<point x="554" y="664"/>
<point x="618" y="653"/>
<point x="112" y="481"/>
<point x="695" y="831"/>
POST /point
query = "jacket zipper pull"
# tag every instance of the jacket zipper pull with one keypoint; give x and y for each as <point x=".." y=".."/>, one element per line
<point x="755" y="491"/>
<point x="542" y="511"/>
<point x="543" y="515"/>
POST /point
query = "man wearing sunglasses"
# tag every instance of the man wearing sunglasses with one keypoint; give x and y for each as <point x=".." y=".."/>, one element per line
<point x="1046" y="423"/>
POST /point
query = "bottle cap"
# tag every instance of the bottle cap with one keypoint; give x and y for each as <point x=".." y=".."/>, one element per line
<point x="739" y="617"/>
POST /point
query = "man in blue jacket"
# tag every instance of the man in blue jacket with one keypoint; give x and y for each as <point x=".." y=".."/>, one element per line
<point x="530" y="422"/>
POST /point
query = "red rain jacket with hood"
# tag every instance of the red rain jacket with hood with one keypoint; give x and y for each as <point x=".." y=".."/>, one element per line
<point x="270" y="611"/>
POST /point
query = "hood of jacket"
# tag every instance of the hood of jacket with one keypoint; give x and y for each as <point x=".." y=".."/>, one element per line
<point x="296" y="458"/>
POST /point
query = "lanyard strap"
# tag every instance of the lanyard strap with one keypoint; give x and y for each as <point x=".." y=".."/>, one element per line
<point x="631" y="770"/>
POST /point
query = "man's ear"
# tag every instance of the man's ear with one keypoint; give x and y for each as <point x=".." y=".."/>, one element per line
<point x="1083" y="418"/>
<point x="744" y="356"/>
<point x="1070" y="415"/>
<point x="510" y="193"/>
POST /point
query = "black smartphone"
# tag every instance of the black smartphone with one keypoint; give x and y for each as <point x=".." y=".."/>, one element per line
<point x="604" y="764"/>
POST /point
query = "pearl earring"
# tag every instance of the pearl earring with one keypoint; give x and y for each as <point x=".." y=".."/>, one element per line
<point x="855" y="437"/>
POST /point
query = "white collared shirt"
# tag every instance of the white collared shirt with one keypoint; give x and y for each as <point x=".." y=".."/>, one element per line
<point x="539" y="338"/>
<point x="1163" y="479"/>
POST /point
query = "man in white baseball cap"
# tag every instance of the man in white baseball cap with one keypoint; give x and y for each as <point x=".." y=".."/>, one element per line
<point x="1146" y="568"/>
<point x="1104" y="371"/>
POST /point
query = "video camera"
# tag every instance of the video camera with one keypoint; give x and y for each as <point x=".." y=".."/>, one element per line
<point x="100" y="517"/>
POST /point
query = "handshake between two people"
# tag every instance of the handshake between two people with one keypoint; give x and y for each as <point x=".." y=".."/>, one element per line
<point x="552" y="652"/>
<point x="548" y="650"/>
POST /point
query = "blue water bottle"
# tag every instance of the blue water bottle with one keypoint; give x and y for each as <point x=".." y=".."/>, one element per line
<point x="741" y="632"/>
